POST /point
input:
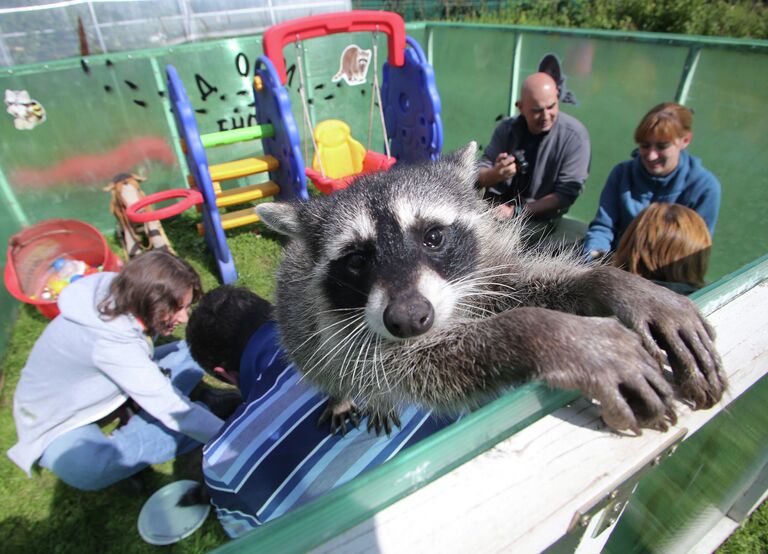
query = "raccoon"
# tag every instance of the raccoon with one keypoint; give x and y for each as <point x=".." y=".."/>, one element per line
<point x="353" y="65"/>
<point x="403" y="289"/>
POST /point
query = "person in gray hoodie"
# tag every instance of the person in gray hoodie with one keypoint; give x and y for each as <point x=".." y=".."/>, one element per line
<point x="536" y="163"/>
<point x="94" y="357"/>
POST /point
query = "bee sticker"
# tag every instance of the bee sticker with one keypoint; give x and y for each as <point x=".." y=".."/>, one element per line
<point x="27" y="113"/>
<point x="353" y="66"/>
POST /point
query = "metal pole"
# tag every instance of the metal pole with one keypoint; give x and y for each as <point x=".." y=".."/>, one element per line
<point x="430" y="45"/>
<point x="96" y="28"/>
<point x="10" y="200"/>
<point x="514" y="90"/>
<point x="185" y="13"/>
<point x="4" y="53"/>
<point x="689" y="71"/>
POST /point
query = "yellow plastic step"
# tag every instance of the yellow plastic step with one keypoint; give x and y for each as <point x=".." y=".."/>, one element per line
<point x="242" y="168"/>
<point x="239" y="195"/>
<point x="234" y="219"/>
<point x="240" y="217"/>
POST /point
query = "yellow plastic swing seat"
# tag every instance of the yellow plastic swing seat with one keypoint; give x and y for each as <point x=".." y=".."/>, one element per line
<point x="344" y="159"/>
<point x="341" y="155"/>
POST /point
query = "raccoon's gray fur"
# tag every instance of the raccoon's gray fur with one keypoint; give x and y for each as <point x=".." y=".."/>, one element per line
<point x="404" y="289"/>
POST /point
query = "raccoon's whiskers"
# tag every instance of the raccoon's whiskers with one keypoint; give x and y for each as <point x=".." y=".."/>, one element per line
<point x="377" y="355"/>
<point x="324" y="329"/>
<point x="480" y="292"/>
<point x="335" y="310"/>
<point x="355" y="319"/>
<point x="359" y="326"/>
<point x="329" y="357"/>
<point x="367" y="378"/>
<point x="483" y="278"/>
<point x="367" y="340"/>
<point x="400" y="370"/>
<point x="473" y="310"/>
<point x="355" y="340"/>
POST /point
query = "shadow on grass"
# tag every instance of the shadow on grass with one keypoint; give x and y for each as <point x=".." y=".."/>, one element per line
<point x="105" y="521"/>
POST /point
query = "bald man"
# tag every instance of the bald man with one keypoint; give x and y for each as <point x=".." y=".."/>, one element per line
<point x="556" y="148"/>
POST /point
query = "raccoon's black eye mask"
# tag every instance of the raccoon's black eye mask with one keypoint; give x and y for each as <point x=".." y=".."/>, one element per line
<point x="349" y="277"/>
<point x="355" y="260"/>
<point x="358" y="262"/>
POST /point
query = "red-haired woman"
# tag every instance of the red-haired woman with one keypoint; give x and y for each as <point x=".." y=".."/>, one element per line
<point x="95" y="356"/>
<point x="662" y="171"/>
<point x="668" y="244"/>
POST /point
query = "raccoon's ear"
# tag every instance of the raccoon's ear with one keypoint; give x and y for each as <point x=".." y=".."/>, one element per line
<point x="280" y="217"/>
<point x="465" y="157"/>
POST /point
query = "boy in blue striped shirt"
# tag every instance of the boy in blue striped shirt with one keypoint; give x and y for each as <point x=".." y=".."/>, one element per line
<point x="270" y="456"/>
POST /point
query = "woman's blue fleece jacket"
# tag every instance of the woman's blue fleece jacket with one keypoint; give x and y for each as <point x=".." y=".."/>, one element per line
<point x="630" y="189"/>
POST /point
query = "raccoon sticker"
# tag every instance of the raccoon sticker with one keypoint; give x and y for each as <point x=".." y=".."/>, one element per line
<point x="353" y="65"/>
<point x="27" y="113"/>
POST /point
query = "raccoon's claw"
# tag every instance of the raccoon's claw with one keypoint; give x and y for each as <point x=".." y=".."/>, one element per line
<point x="616" y="370"/>
<point x="672" y="330"/>
<point x="338" y="412"/>
<point x="383" y="420"/>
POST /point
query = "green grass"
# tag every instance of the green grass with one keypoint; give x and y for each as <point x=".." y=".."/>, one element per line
<point x="751" y="536"/>
<point x="44" y="515"/>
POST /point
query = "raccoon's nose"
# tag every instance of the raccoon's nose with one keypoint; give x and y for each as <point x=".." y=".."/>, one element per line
<point x="409" y="315"/>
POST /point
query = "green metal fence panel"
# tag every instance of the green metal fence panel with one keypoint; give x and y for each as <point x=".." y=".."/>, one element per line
<point x="102" y="118"/>
<point x="473" y="72"/>
<point x="616" y="79"/>
<point x="728" y="96"/>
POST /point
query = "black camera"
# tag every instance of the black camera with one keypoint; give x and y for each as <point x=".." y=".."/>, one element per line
<point x="522" y="163"/>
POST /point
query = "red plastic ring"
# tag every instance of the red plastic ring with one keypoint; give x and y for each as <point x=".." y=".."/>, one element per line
<point x="190" y="198"/>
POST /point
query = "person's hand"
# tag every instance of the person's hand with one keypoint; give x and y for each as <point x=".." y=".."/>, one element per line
<point x="505" y="166"/>
<point x="595" y="255"/>
<point x="504" y="211"/>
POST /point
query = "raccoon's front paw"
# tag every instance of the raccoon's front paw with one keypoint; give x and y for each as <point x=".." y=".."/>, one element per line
<point x="672" y="330"/>
<point x="338" y="412"/>
<point x="611" y="365"/>
<point x="382" y="419"/>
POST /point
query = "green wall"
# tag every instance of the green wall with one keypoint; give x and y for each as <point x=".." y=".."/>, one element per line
<point x="616" y="79"/>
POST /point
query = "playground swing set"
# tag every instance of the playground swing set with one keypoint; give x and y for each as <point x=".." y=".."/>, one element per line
<point x="409" y="108"/>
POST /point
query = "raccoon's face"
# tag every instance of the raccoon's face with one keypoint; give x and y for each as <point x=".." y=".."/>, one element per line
<point x="399" y="262"/>
<point x="394" y="249"/>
